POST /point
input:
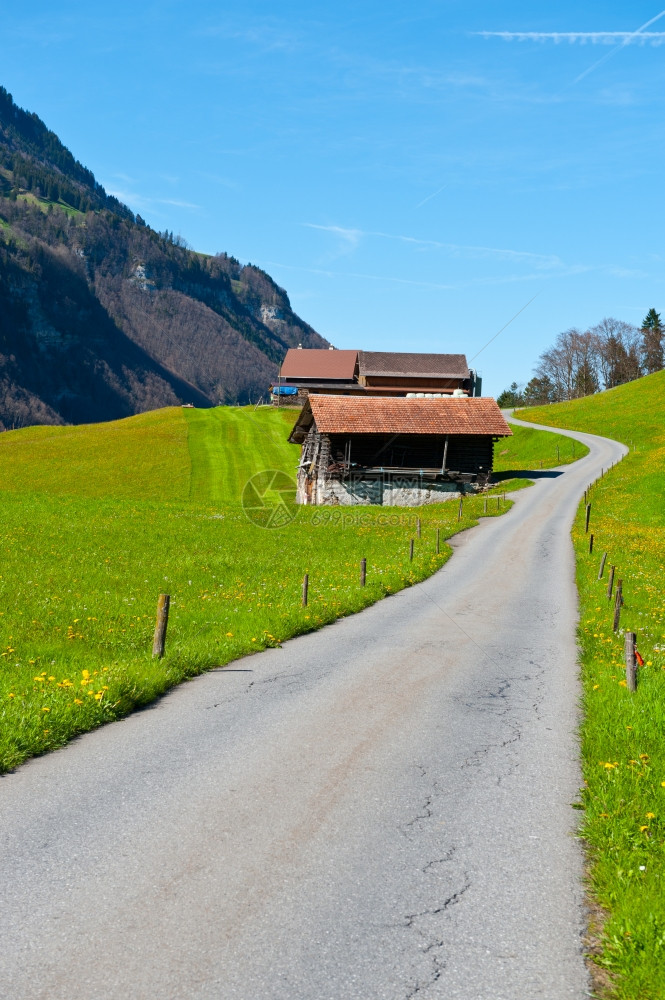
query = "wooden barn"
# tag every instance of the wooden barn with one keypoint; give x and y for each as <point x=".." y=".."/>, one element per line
<point x="396" y="451"/>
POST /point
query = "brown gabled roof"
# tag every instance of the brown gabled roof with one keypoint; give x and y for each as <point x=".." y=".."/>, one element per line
<point x="413" y="365"/>
<point x="318" y="363"/>
<point x="351" y="415"/>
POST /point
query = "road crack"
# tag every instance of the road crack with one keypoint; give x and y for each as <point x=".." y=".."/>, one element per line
<point x="433" y="943"/>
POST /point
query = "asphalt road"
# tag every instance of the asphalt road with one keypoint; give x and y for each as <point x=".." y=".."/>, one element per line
<point x="379" y="810"/>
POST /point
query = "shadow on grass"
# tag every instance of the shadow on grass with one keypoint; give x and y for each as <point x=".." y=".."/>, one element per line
<point x="499" y="477"/>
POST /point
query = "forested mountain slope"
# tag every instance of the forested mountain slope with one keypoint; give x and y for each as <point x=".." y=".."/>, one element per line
<point x="100" y="316"/>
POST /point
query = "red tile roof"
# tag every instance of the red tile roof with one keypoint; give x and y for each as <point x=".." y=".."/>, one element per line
<point x="413" y="365"/>
<point x="351" y="415"/>
<point x="317" y="363"/>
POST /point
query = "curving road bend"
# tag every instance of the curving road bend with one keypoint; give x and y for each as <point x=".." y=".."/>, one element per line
<point x="377" y="811"/>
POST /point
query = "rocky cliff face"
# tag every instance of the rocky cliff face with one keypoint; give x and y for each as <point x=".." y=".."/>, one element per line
<point x="101" y="317"/>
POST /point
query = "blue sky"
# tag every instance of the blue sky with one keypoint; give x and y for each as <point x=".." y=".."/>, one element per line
<point x="412" y="179"/>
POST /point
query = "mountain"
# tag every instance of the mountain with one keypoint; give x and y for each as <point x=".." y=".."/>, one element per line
<point x="102" y="317"/>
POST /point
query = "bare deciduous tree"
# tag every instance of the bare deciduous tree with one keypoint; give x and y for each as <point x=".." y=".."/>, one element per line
<point x="570" y="366"/>
<point x="618" y="352"/>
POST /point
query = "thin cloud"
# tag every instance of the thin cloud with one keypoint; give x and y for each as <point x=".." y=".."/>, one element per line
<point x="354" y="236"/>
<point x="176" y="202"/>
<point x="356" y="274"/>
<point x="437" y="286"/>
<point x="267" y="35"/>
<point x="144" y="203"/>
<point x="350" y="238"/>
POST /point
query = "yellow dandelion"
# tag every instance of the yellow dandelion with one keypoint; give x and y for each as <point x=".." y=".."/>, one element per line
<point x="45" y="709"/>
<point x="650" y="815"/>
<point x="77" y="701"/>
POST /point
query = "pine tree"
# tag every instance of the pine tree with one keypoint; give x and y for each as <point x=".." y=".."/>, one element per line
<point x="652" y="342"/>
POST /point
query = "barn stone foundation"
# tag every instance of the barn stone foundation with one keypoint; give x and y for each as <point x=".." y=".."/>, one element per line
<point x="385" y="491"/>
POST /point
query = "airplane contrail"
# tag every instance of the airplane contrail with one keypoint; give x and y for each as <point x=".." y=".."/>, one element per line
<point x="627" y="40"/>
<point x="430" y="196"/>
<point x="503" y="327"/>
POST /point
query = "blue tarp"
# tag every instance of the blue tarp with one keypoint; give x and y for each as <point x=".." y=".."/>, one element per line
<point x="285" y="390"/>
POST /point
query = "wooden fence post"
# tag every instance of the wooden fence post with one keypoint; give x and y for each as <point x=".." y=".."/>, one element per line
<point x="411" y="550"/>
<point x="591" y="543"/>
<point x="418" y="527"/>
<point x="460" y="509"/>
<point x="363" y="572"/>
<point x="438" y="541"/>
<point x="618" y="601"/>
<point x="631" y="665"/>
<point x="610" y="583"/>
<point x="305" y="589"/>
<point x="602" y="566"/>
<point x="159" y="642"/>
<point x="588" y="516"/>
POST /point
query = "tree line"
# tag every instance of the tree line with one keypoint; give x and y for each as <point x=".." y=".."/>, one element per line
<point x="581" y="363"/>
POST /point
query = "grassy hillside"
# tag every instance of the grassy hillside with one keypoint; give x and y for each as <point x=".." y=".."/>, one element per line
<point x="171" y="454"/>
<point x="532" y="449"/>
<point x="99" y="519"/>
<point x="623" y="735"/>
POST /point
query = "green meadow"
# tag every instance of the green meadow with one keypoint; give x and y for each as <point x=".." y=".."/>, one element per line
<point x="529" y="448"/>
<point x="98" y="520"/>
<point x="623" y="734"/>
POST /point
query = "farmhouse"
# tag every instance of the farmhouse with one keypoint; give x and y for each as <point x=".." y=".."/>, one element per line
<point x="391" y="373"/>
<point x="397" y="451"/>
<point x="313" y="370"/>
<point x="372" y="373"/>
